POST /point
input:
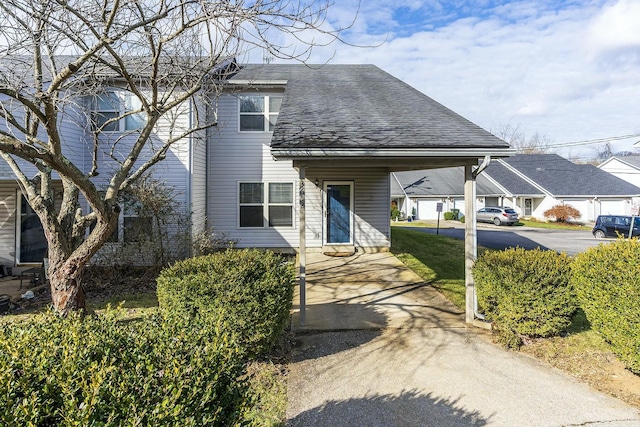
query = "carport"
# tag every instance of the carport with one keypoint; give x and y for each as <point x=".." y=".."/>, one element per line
<point x="342" y="120"/>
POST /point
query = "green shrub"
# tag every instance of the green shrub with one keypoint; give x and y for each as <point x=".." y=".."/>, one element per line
<point x="104" y="371"/>
<point x="462" y="220"/>
<point x="449" y="216"/>
<point x="395" y="213"/>
<point x="525" y="293"/>
<point x="607" y="282"/>
<point x="251" y="289"/>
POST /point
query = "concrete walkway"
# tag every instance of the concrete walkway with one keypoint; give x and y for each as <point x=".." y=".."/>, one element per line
<point x="380" y="348"/>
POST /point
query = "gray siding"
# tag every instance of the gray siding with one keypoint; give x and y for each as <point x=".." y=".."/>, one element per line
<point x="240" y="157"/>
<point x="372" y="201"/>
<point x="72" y="124"/>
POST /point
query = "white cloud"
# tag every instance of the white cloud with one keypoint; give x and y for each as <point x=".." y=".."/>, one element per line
<point x="616" y="26"/>
<point x="552" y="67"/>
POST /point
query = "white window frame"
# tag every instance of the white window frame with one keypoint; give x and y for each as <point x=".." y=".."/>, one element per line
<point x="266" y="204"/>
<point x="265" y="114"/>
<point x="127" y="102"/>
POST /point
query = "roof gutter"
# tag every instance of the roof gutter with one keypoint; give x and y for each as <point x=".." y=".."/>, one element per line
<point x="337" y="153"/>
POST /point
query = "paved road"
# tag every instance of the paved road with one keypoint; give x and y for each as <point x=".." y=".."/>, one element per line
<point x="501" y="237"/>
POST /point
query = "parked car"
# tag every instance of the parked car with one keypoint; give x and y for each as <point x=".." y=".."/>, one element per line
<point x="615" y="225"/>
<point x="498" y="215"/>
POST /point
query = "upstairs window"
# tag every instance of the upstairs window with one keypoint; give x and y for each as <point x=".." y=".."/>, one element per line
<point x="259" y="113"/>
<point x="113" y="105"/>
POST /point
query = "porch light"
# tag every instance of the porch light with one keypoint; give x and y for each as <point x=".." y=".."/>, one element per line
<point x="317" y="182"/>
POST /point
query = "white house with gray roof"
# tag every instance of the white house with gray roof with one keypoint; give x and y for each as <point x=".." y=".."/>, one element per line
<point x="301" y="159"/>
<point x="418" y="193"/>
<point x="530" y="183"/>
<point x="624" y="167"/>
<point x="533" y="183"/>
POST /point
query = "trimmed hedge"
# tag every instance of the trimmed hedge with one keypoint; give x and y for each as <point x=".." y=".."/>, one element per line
<point x="525" y="292"/>
<point x="104" y="371"/>
<point x="607" y="282"/>
<point x="251" y="289"/>
<point x="449" y="216"/>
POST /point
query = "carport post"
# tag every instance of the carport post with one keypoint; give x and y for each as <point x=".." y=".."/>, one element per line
<point x="470" y="241"/>
<point x="303" y="247"/>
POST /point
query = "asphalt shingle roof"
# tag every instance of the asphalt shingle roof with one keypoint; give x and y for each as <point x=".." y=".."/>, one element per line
<point x="561" y="177"/>
<point x="510" y="181"/>
<point x="361" y="106"/>
<point x="442" y="182"/>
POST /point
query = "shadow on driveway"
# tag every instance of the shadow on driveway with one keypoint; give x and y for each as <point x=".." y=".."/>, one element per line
<point x="409" y="408"/>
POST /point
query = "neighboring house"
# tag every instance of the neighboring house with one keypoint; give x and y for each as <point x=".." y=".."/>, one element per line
<point x="625" y="167"/>
<point x="22" y="241"/>
<point x="533" y="183"/>
<point x="301" y="158"/>
<point x="423" y="190"/>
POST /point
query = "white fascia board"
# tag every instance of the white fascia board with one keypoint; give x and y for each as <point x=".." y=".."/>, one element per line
<point x="332" y="153"/>
<point x="595" y="196"/>
<point x="257" y="82"/>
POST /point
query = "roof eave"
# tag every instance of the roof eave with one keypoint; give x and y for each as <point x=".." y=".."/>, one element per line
<point x="340" y="153"/>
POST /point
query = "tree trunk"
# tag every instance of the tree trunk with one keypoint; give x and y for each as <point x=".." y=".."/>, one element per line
<point x="67" y="293"/>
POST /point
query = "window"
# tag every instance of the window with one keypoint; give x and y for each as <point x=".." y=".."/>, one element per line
<point x="259" y="113"/>
<point x="114" y="104"/>
<point x="278" y="209"/>
<point x="32" y="245"/>
<point x="137" y="228"/>
<point x="131" y="227"/>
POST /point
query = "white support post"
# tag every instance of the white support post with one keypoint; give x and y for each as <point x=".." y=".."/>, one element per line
<point x="303" y="247"/>
<point x="470" y="241"/>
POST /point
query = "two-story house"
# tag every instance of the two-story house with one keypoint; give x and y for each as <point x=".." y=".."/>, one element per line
<point x="300" y="158"/>
<point x="325" y="138"/>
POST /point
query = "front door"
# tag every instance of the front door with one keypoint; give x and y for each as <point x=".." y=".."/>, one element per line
<point x="339" y="208"/>
<point x="527" y="207"/>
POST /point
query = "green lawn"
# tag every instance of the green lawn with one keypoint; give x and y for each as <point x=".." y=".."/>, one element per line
<point x="554" y="225"/>
<point x="438" y="260"/>
<point x="523" y="222"/>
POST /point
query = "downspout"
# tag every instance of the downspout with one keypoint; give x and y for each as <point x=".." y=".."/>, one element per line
<point x="190" y="178"/>
<point x="478" y="171"/>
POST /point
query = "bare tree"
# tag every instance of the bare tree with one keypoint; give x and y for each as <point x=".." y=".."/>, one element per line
<point x="60" y="60"/>
<point x="521" y="142"/>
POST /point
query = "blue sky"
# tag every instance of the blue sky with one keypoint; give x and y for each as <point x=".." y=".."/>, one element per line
<point x="569" y="70"/>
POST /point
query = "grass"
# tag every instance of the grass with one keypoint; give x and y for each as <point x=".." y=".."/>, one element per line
<point x="438" y="260"/>
<point x="554" y="225"/>
<point x="580" y="351"/>
<point x="521" y="223"/>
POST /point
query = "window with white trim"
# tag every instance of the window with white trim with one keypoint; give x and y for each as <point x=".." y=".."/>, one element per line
<point x="258" y="113"/>
<point x="265" y="204"/>
<point x="115" y="104"/>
